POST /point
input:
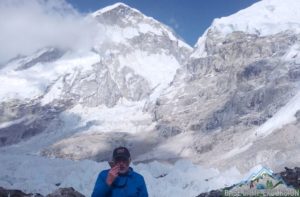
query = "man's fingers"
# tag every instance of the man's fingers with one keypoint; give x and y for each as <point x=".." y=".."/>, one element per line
<point x="116" y="167"/>
<point x="114" y="171"/>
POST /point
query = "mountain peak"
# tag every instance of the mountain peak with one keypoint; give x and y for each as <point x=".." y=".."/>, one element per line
<point x="267" y="17"/>
<point x="263" y="18"/>
<point x="133" y="21"/>
<point x="114" y="7"/>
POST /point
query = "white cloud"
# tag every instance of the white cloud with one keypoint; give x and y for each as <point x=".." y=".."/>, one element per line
<point x="28" y="25"/>
<point x="174" y="23"/>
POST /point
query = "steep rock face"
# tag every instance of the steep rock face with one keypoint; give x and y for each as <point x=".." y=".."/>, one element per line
<point x="22" y="121"/>
<point x="222" y="97"/>
<point x="104" y="86"/>
<point x="244" y="79"/>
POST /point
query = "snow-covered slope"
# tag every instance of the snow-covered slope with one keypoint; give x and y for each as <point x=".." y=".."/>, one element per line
<point x="34" y="81"/>
<point x="287" y="114"/>
<point x="264" y="18"/>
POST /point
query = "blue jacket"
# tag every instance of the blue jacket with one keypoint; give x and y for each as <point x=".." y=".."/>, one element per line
<point x="130" y="184"/>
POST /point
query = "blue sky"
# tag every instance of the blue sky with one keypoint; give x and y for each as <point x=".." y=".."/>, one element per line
<point x="189" y="18"/>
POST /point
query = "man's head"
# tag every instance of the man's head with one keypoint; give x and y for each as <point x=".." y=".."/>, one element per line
<point x="121" y="157"/>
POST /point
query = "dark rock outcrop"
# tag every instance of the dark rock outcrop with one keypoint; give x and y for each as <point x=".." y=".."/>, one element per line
<point x="291" y="177"/>
<point x="16" y="193"/>
<point x="61" y="192"/>
<point x="65" y="192"/>
<point x="213" y="193"/>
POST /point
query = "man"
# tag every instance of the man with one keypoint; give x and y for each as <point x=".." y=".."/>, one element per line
<point x="120" y="180"/>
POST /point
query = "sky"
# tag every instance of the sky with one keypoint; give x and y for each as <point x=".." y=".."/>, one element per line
<point x="29" y="25"/>
<point x="188" y="18"/>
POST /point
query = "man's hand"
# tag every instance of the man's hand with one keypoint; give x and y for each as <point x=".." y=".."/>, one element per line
<point x="112" y="174"/>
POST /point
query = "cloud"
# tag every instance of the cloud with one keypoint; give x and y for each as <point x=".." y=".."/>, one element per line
<point x="174" y="23"/>
<point x="29" y="25"/>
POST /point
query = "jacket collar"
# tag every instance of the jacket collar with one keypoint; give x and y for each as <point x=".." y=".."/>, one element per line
<point x="121" y="180"/>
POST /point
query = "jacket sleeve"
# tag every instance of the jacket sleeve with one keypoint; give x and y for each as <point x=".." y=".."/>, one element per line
<point x="143" y="189"/>
<point x="101" y="188"/>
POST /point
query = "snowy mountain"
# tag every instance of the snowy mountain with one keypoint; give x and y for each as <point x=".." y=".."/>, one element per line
<point x="229" y="104"/>
<point x="236" y="100"/>
<point x="267" y="17"/>
<point x="133" y="59"/>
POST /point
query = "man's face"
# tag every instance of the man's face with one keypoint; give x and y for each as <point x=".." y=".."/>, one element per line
<point x="123" y="164"/>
